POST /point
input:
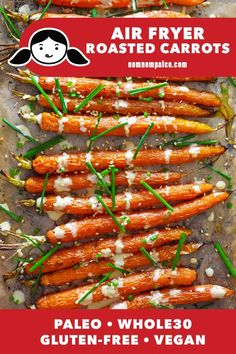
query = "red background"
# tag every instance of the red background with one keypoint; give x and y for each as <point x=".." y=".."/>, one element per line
<point x="21" y="331"/>
<point x="82" y="31"/>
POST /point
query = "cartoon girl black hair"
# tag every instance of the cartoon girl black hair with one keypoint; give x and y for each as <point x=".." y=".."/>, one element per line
<point x="48" y="47"/>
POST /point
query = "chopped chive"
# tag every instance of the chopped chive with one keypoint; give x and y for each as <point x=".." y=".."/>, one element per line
<point x="99" y="177"/>
<point x="232" y="80"/>
<point x="222" y="174"/>
<point x="62" y="99"/>
<point x="94" y="13"/>
<point x="159" y="306"/>
<point x="89" y="97"/>
<point x="13" y="216"/>
<point x="94" y="132"/>
<point x="36" y="231"/>
<point x="209" y="178"/>
<point x="130" y="297"/>
<point x="108" y="130"/>
<point x="225" y="259"/>
<point x="146" y="99"/>
<point x="157" y="195"/>
<point x="10" y="23"/>
<point x="14" y="127"/>
<point x="147" y="88"/>
<point x="22" y="260"/>
<point x="34" y="243"/>
<point x="41" y="90"/>
<point x="142" y="140"/>
<point x="43" y="192"/>
<point x="189" y="143"/>
<point x="123" y="271"/>
<point x="45" y="9"/>
<point x="44" y="258"/>
<point x="183" y="237"/>
<point x="36" y="282"/>
<point x="109" y="212"/>
<point x="229" y="205"/>
<point x="94" y="287"/>
<point x="113" y="188"/>
<point x="43" y="146"/>
<point x="183" y="138"/>
<point x="148" y="256"/>
<point x="165" y="4"/>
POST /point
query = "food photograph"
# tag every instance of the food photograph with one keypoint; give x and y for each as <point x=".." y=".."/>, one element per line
<point x="116" y="193"/>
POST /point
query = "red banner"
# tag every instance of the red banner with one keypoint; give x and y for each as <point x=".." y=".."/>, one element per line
<point x="130" y="47"/>
<point x="117" y="331"/>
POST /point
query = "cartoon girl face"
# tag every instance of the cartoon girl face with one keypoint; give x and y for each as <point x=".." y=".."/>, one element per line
<point x="48" y="51"/>
<point x="48" y="46"/>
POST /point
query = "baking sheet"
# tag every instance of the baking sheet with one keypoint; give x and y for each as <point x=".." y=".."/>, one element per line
<point x="222" y="229"/>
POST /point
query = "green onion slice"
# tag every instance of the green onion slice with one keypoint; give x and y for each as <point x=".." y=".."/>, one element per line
<point x="44" y="146"/>
<point x="89" y="97"/>
<point x="142" y="140"/>
<point x="109" y="212"/>
<point x="44" y="258"/>
<point x="225" y="259"/>
<point x="148" y="256"/>
<point x="157" y="195"/>
<point x="95" y="287"/>
<point x="183" y="237"/>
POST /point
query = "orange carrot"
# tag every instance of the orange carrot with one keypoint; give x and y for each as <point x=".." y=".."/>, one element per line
<point x="135" y="125"/>
<point x="125" y="261"/>
<point x="98" y="225"/>
<point x="170" y="93"/>
<point x="69" y="257"/>
<point x="71" y="182"/>
<point x="129" y="107"/>
<point x="71" y="162"/>
<point x="132" y="284"/>
<point x="118" y="3"/>
<point x="176" y="296"/>
<point x="124" y="201"/>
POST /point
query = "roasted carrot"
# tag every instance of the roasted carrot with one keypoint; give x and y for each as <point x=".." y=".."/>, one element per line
<point x="175" y="296"/>
<point x="132" y="284"/>
<point x="118" y="3"/>
<point x="124" y="261"/>
<point x="69" y="257"/>
<point x="24" y="17"/>
<point x="131" y="107"/>
<point x="98" y="225"/>
<point x="71" y="162"/>
<point x="124" y="201"/>
<point x="134" y="125"/>
<point x="71" y="182"/>
<point x="170" y="93"/>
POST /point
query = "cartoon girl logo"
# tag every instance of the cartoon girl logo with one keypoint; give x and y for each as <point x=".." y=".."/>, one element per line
<point x="48" y="47"/>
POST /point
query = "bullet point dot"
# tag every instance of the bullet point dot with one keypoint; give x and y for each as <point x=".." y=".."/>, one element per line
<point x="109" y="324"/>
<point x="146" y="339"/>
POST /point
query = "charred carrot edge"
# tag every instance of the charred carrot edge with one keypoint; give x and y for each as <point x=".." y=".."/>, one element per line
<point x="136" y="125"/>
<point x="71" y="182"/>
<point x="118" y="3"/>
<point x="69" y="257"/>
<point x="98" y="225"/>
<point x="171" y="93"/>
<point x="124" y="201"/>
<point x="131" y="107"/>
<point x="132" y="284"/>
<point x="71" y="162"/>
<point x="125" y="261"/>
<point x="176" y="296"/>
